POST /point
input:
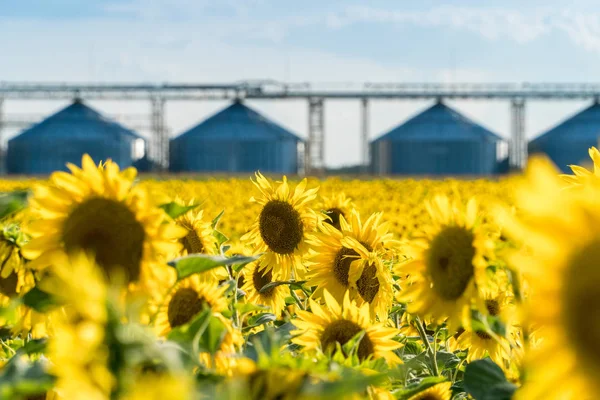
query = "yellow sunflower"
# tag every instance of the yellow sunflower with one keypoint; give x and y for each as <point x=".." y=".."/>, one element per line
<point x="479" y="342"/>
<point x="15" y="278"/>
<point x="97" y="209"/>
<point x="186" y="300"/>
<point x="281" y="229"/>
<point x="582" y="175"/>
<point x="447" y="261"/>
<point x="439" y="391"/>
<point x="77" y="347"/>
<point x="255" y="278"/>
<point x="336" y="206"/>
<point x="200" y="239"/>
<point x="563" y="231"/>
<point x="323" y="327"/>
<point x="352" y="258"/>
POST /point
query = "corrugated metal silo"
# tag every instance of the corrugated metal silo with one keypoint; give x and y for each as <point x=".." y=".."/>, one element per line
<point x="568" y="142"/>
<point x="438" y="141"/>
<point x="236" y="139"/>
<point x="65" y="136"/>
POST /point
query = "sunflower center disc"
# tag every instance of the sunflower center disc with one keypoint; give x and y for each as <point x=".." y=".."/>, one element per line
<point x="368" y="284"/>
<point x="581" y="301"/>
<point x="341" y="331"/>
<point x="493" y="307"/>
<point x="184" y="305"/>
<point x="110" y="231"/>
<point x="192" y="243"/>
<point x="262" y="278"/>
<point x="341" y="264"/>
<point x="8" y="285"/>
<point x="429" y="396"/>
<point x="280" y="227"/>
<point x="334" y="215"/>
<point x="483" y="335"/>
<point x="450" y="261"/>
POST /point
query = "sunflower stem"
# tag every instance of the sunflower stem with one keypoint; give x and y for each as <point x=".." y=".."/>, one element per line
<point x="516" y="284"/>
<point x="298" y="301"/>
<point x="423" y="334"/>
<point x="455" y="374"/>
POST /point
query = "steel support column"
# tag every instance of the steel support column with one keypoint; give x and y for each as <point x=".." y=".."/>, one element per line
<point x="365" y="136"/>
<point x="518" y="145"/>
<point x="315" y="158"/>
<point x="2" y="148"/>
<point x="159" y="142"/>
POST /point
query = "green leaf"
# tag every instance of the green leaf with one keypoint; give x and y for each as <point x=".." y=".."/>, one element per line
<point x="34" y="346"/>
<point x="484" y="380"/>
<point x="446" y="360"/>
<point x="12" y="202"/>
<point x="260" y="319"/>
<point x="245" y="308"/>
<point x="414" y="389"/>
<point x="350" y="348"/>
<point x="210" y="339"/>
<point x="271" y="285"/>
<point x="215" y="222"/>
<point x="20" y="378"/>
<point x="412" y="347"/>
<point x="39" y="300"/>
<point x="221" y="238"/>
<point x="268" y="340"/>
<point x="175" y="210"/>
<point x="197" y="263"/>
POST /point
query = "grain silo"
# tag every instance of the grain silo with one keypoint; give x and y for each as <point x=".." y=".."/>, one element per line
<point x="236" y="139"/>
<point x="569" y="141"/>
<point x="438" y="141"/>
<point x="65" y="136"/>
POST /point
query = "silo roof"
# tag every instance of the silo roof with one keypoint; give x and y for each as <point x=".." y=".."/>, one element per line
<point x="584" y="124"/>
<point x="439" y="122"/>
<point x="239" y="121"/>
<point x="77" y="120"/>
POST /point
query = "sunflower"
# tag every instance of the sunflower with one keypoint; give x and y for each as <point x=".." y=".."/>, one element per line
<point x="281" y="229"/>
<point x="336" y="206"/>
<point x="14" y="277"/>
<point x="77" y="347"/>
<point x="97" y="209"/>
<point x="352" y="258"/>
<point x="255" y="279"/>
<point x="439" y="391"/>
<point x="447" y="260"/>
<point x="478" y="341"/>
<point x="200" y="239"/>
<point x="186" y="300"/>
<point x="323" y="327"/>
<point x="563" y="232"/>
<point x="582" y="175"/>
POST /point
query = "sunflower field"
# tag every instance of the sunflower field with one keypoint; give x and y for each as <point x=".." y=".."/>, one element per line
<point x="114" y="286"/>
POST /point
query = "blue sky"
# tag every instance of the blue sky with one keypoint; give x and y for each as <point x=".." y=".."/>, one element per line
<point x="316" y="41"/>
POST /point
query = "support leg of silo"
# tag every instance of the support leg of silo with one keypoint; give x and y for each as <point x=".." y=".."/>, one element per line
<point x="365" y="136"/>
<point x="159" y="143"/>
<point x="2" y="149"/>
<point x="518" y="143"/>
<point x="315" y="160"/>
